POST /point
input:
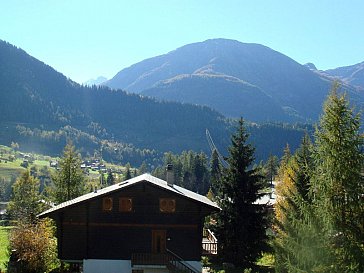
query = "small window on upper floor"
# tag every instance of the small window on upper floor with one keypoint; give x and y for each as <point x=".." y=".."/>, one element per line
<point x="167" y="205"/>
<point x="125" y="204"/>
<point x="107" y="204"/>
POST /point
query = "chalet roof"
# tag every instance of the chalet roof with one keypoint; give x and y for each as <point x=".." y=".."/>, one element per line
<point x="139" y="179"/>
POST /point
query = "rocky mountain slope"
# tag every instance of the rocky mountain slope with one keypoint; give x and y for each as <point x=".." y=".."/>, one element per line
<point x="232" y="77"/>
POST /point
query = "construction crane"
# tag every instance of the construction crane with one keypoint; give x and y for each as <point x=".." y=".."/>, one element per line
<point x="213" y="147"/>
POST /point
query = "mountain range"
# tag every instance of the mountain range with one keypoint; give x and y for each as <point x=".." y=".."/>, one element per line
<point x="41" y="109"/>
<point x="39" y="103"/>
<point x="237" y="79"/>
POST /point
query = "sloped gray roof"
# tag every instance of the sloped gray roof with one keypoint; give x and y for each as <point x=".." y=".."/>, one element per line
<point x="141" y="178"/>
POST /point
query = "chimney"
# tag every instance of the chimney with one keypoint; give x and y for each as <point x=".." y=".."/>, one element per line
<point x="170" y="174"/>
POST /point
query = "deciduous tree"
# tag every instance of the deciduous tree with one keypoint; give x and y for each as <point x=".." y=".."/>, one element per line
<point x="34" y="246"/>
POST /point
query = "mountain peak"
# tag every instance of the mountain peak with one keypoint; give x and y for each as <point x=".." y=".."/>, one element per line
<point x="279" y="80"/>
<point x="311" y="66"/>
<point x="98" y="81"/>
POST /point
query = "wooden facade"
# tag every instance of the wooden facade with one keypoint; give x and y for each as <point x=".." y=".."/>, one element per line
<point x="141" y="218"/>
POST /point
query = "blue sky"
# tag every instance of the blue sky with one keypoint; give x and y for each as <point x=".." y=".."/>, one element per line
<point x="85" y="39"/>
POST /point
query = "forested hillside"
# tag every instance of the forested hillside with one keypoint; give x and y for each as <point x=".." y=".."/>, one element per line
<point x="41" y="109"/>
<point x="39" y="103"/>
<point x="237" y="79"/>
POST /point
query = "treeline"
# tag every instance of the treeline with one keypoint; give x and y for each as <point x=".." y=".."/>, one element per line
<point x="268" y="138"/>
<point x="191" y="170"/>
<point x="53" y="142"/>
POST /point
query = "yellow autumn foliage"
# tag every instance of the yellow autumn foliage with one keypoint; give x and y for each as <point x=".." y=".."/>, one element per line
<point x="285" y="188"/>
<point x="35" y="246"/>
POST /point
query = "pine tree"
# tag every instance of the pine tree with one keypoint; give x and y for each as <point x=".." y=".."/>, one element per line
<point x="69" y="181"/>
<point x="241" y="225"/>
<point x="110" y="180"/>
<point x="25" y="203"/>
<point x="284" y="160"/>
<point x="337" y="187"/>
<point x="215" y="172"/>
<point x="127" y="174"/>
<point x="143" y="168"/>
<point x="271" y="167"/>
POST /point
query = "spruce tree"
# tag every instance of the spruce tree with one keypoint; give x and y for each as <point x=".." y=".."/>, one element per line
<point x="127" y="174"/>
<point x="215" y="172"/>
<point x="69" y="182"/>
<point x="271" y="168"/>
<point x="25" y="203"/>
<point x="337" y="187"/>
<point x="241" y="225"/>
<point x="110" y="180"/>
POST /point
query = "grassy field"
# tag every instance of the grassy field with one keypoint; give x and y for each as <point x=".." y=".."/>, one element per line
<point x="9" y="169"/>
<point x="4" y="243"/>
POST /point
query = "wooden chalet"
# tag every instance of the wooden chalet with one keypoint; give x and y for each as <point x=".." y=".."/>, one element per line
<point x="140" y="225"/>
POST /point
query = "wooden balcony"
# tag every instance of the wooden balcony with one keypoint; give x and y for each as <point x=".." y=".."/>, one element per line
<point x="209" y="243"/>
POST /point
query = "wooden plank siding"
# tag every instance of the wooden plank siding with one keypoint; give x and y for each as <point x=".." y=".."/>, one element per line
<point x="86" y="231"/>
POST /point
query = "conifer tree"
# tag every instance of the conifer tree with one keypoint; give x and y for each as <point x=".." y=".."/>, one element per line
<point x="284" y="160"/>
<point x="297" y="244"/>
<point x="127" y="174"/>
<point x="320" y="226"/>
<point x="69" y="181"/>
<point x="143" y="168"/>
<point x="337" y="186"/>
<point x="215" y="172"/>
<point x="110" y="180"/>
<point x="241" y="225"/>
<point x="271" y="168"/>
<point x="25" y="203"/>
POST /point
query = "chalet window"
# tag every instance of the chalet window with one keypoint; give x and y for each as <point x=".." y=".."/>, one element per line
<point x="107" y="204"/>
<point x="167" y="205"/>
<point x="125" y="204"/>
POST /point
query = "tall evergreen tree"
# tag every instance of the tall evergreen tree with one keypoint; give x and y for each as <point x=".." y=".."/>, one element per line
<point x="143" y="168"/>
<point x="284" y="160"/>
<point x="110" y="180"/>
<point x="271" y="168"/>
<point x="25" y="203"/>
<point x="69" y="181"/>
<point x="241" y="225"/>
<point x="127" y="174"/>
<point x="297" y="242"/>
<point x="215" y="172"/>
<point x="337" y="187"/>
<point x="320" y="226"/>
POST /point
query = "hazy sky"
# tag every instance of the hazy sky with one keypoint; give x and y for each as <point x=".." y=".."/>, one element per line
<point x="85" y="39"/>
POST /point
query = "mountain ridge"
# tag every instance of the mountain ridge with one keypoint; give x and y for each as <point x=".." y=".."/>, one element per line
<point x="37" y="97"/>
<point x="295" y="92"/>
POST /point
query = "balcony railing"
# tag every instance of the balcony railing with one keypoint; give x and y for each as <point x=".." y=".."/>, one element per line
<point x="209" y="243"/>
<point x="209" y="248"/>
